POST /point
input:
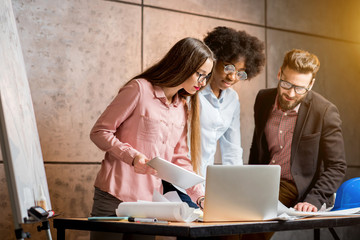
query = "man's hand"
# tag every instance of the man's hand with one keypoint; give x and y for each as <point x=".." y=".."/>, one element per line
<point x="305" y="207"/>
<point x="141" y="167"/>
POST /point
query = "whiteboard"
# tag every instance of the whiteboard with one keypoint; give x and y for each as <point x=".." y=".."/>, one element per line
<point x="19" y="138"/>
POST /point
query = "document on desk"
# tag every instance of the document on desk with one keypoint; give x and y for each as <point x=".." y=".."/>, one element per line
<point x="174" y="174"/>
<point x="285" y="213"/>
<point x="161" y="209"/>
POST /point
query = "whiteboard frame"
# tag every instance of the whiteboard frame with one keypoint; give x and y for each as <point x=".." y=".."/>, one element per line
<point x="20" y="143"/>
<point x="8" y="167"/>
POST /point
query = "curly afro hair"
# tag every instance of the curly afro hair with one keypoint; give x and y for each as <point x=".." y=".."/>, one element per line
<point x="228" y="44"/>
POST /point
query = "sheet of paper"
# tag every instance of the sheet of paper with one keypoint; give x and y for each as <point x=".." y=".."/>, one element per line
<point x="167" y="197"/>
<point x="174" y="174"/>
<point x="285" y="213"/>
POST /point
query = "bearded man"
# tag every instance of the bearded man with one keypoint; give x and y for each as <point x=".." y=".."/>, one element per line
<point x="299" y="130"/>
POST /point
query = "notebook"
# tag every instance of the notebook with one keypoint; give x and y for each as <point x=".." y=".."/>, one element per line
<point x="241" y="193"/>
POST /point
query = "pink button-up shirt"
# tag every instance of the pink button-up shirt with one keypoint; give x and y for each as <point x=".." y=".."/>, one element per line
<point x="140" y="120"/>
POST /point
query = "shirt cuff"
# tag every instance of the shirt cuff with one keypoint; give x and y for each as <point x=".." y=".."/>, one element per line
<point x="195" y="192"/>
<point x="129" y="155"/>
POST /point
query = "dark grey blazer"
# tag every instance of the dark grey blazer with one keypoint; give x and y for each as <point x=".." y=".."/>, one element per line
<point x="317" y="153"/>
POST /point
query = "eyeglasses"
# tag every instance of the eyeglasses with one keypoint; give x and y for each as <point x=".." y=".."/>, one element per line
<point x="240" y="75"/>
<point x="203" y="77"/>
<point x="298" y="89"/>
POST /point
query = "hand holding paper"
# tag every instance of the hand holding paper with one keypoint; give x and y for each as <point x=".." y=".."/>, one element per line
<point x="140" y="165"/>
<point x="174" y="174"/>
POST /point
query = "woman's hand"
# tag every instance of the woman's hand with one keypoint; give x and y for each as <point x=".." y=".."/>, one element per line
<point x="140" y="165"/>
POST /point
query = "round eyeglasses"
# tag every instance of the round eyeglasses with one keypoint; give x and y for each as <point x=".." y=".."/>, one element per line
<point x="203" y="77"/>
<point x="229" y="69"/>
<point x="298" y="89"/>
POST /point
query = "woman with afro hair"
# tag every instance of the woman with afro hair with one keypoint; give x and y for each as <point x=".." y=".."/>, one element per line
<point x="239" y="57"/>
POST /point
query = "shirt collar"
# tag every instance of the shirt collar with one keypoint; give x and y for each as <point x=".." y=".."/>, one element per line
<point x="208" y="91"/>
<point x="159" y="93"/>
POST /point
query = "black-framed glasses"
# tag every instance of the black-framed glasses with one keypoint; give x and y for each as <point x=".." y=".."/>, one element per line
<point x="298" y="89"/>
<point x="203" y="77"/>
<point x="240" y="75"/>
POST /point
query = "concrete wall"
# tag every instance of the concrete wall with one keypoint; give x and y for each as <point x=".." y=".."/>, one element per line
<point x="79" y="53"/>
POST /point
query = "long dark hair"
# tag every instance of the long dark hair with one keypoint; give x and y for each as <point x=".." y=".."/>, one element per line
<point x="182" y="61"/>
<point x="178" y="65"/>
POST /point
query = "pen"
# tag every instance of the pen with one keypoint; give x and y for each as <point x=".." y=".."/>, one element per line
<point x="107" y="218"/>
<point x="144" y="220"/>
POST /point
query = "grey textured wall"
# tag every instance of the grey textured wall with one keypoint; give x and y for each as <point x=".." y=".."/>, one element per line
<point x="79" y="53"/>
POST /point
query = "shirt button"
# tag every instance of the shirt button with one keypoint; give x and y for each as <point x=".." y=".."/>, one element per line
<point x="285" y="114"/>
<point x="280" y="131"/>
<point x="281" y="147"/>
<point x="273" y="161"/>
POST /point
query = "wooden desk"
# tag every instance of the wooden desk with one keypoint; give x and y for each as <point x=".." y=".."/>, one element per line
<point x="198" y="230"/>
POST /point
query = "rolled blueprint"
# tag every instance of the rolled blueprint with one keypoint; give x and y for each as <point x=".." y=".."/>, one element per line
<point x="167" y="211"/>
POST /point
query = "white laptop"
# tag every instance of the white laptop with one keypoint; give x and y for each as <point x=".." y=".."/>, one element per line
<point x="241" y="193"/>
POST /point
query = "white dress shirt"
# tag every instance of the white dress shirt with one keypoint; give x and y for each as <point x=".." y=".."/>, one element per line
<point x="220" y="121"/>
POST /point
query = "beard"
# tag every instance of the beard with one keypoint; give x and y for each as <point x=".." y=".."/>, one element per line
<point x="284" y="104"/>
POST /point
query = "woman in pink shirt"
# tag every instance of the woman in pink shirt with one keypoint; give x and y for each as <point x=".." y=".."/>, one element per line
<point x="148" y="118"/>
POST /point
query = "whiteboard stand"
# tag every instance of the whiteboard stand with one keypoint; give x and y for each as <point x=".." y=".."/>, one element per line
<point x="21" y="235"/>
<point x="12" y="186"/>
<point x="19" y="138"/>
<point x="39" y="214"/>
<point x="45" y="226"/>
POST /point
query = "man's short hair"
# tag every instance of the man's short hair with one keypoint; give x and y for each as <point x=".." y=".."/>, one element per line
<point x="301" y="61"/>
